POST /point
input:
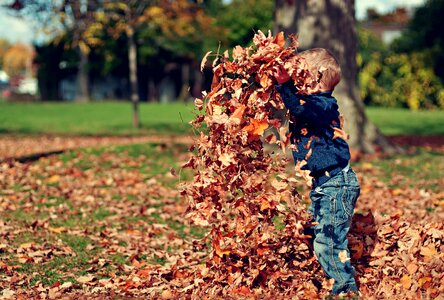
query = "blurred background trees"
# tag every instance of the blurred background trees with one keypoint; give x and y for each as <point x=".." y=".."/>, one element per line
<point x="150" y="50"/>
<point x="409" y="71"/>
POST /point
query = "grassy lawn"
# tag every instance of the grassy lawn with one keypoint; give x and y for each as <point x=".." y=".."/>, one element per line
<point x="395" y="121"/>
<point x="111" y="118"/>
<point x="99" y="118"/>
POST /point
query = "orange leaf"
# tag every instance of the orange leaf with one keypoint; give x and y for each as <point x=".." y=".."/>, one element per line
<point x="204" y="60"/>
<point x="57" y="229"/>
<point x="218" y="250"/>
<point x="396" y="192"/>
<point x="424" y="280"/>
<point x="136" y="263"/>
<point x="357" y="250"/>
<point x="143" y="273"/>
<point x="54" y="179"/>
<point x="428" y="252"/>
<point x="256" y="127"/>
<point x="242" y="290"/>
<point x="280" y="39"/>
<point x="265" y="80"/>
<point x="265" y="204"/>
<point x="412" y="268"/>
<point x="406" y="281"/>
<point x="230" y="279"/>
<point x="339" y="133"/>
<point x="262" y="250"/>
<point x="236" y="117"/>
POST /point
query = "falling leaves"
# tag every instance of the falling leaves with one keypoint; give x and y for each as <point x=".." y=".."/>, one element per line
<point x="256" y="127"/>
<point x="339" y="133"/>
<point x="234" y="187"/>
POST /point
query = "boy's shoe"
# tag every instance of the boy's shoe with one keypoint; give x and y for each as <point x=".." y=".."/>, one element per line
<point x="350" y="295"/>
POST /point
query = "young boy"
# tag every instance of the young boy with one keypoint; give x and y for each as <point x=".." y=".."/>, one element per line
<point x="314" y="120"/>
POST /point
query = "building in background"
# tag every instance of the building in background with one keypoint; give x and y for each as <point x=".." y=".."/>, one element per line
<point x="389" y="26"/>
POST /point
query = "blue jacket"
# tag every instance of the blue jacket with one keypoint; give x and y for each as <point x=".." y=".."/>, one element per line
<point x="312" y="119"/>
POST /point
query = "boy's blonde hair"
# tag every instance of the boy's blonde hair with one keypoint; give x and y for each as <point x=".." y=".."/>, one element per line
<point x="322" y="60"/>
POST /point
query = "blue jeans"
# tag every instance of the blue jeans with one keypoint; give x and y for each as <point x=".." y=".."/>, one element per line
<point x="332" y="205"/>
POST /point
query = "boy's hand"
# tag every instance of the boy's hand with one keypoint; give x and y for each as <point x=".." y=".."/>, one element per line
<point x="281" y="75"/>
<point x="314" y="90"/>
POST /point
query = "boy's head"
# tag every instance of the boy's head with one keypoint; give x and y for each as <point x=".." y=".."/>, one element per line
<point x="322" y="60"/>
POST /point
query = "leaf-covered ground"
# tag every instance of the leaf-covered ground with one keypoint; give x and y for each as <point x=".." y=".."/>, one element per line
<point x="29" y="146"/>
<point x="109" y="222"/>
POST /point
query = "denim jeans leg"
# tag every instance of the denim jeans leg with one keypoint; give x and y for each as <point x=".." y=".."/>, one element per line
<point x="332" y="207"/>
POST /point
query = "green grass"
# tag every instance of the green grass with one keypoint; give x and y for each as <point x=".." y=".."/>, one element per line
<point x="114" y="118"/>
<point x="395" y="121"/>
<point x="423" y="168"/>
<point x="99" y="118"/>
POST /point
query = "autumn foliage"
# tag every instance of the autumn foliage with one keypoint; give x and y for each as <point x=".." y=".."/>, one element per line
<point x="110" y="223"/>
<point x="240" y="191"/>
<point x="243" y="193"/>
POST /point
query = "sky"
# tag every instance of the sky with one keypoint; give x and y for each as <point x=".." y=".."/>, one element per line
<point x="16" y="30"/>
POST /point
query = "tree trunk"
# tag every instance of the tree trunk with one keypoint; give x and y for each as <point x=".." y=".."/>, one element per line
<point x="331" y="24"/>
<point x="198" y="82"/>
<point x="151" y="89"/>
<point x="82" y="94"/>
<point x="185" y="89"/>
<point x="132" y="61"/>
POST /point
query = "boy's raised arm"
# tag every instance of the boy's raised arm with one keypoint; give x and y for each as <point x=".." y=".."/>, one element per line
<point x="302" y="106"/>
<point x="291" y="101"/>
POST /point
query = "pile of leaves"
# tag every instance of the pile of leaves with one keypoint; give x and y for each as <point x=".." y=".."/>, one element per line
<point x="397" y="259"/>
<point x="242" y="192"/>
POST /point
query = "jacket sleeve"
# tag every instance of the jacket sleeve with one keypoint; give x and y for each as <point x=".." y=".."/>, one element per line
<point x="291" y="101"/>
<point x="317" y="111"/>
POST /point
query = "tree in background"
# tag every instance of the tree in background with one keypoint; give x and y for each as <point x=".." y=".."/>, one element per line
<point x="408" y="72"/>
<point x="59" y="17"/>
<point x="125" y="17"/>
<point x="241" y="19"/>
<point x="425" y="34"/>
<point x="4" y="45"/>
<point x="17" y="60"/>
<point x="331" y="24"/>
<point x="154" y="29"/>
<point x="186" y="31"/>
<point x="396" y="79"/>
